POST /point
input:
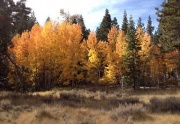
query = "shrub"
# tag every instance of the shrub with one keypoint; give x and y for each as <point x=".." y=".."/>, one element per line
<point x="127" y="110"/>
<point x="44" y="114"/>
<point x="130" y="100"/>
<point x="5" y="104"/>
<point x="170" y="104"/>
<point x="70" y="97"/>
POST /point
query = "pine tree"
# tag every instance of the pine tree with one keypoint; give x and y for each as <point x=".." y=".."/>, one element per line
<point x="73" y="19"/>
<point x="31" y="21"/>
<point x="169" y="24"/>
<point x="104" y="27"/>
<point x="76" y="19"/>
<point x="22" y="19"/>
<point x="6" y="29"/>
<point x="6" y="26"/>
<point x="132" y="58"/>
<point x="85" y="31"/>
<point x="14" y="18"/>
<point x="156" y="36"/>
<point x="125" y="23"/>
<point x="115" y="23"/>
<point x="149" y="28"/>
<point x="48" y="19"/>
<point x="140" y="24"/>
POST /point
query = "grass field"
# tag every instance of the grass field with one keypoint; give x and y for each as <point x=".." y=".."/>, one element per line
<point x="86" y="106"/>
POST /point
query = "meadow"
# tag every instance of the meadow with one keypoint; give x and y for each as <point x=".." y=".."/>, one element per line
<point x="91" y="106"/>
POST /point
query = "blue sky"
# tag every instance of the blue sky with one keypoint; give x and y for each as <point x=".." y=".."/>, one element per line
<point x="94" y="10"/>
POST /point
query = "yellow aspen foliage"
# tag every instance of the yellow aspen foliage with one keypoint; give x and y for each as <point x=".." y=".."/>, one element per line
<point x="111" y="70"/>
<point x="171" y="60"/>
<point x="56" y="54"/>
<point x="145" y="43"/>
<point x="93" y="67"/>
<point x="96" y="52"/>
<point x="121" y="50"/>
<point x="114" y="58"/>
<point x="21" y="50"/>
<point x="163" y="66"/>
<point x="110" y="74"/>
<point x="112" y="38"/>
<point x="121" y="45"/>
<point x="72" y="56"/>
<point x="48" y="54"/>
<point x="144" y="40"/>
<point x="157" y="64"/>
<point x="93" y="57"/>
<point x="21" y="53"/>
<point x="92" y="40"/>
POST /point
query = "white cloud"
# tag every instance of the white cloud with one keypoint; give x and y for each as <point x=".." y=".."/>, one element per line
<point x="92" y="10"/>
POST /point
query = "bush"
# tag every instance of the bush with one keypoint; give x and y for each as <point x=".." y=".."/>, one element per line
<point x="44" y="114"/>
<point x="170" y="104"/>
<point x="70" y="97"/>
<point x="5" y="104"/>
<point x="127" y="110"/>
<point x="130" y="100"/>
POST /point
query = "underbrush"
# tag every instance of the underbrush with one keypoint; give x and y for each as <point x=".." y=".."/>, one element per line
<point x="169" y="104"/>
<point x="102" y="102"/>
<point x="136" y="110"/>
<point x="84" y="106"/>
<point x="98" y="100"/>
<point x="42" y="114"/>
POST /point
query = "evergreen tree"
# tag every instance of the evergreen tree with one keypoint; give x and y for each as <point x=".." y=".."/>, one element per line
<point x="31" y="21"/>
<point x="22" y="19"/>
<point x="14" y="18"/>
<point x="140" y="24"/>
<point x="125" y="23"/>
<point x="157" y="36"/>
<point x="73" y="19"/>
<point x="76" y="19"/>
<point x="169" y="24"/>
<point x="48" y="19"/>
<point x="6" y="27"/>
<point x="133" y="58"/>
<point x="104" y="28"/>
<point x="85" y="31"/>
<point x="115" y="23"/>
<point x="149" y="28"/>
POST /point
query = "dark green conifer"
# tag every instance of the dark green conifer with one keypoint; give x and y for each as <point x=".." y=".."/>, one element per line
<point x="125" y="23"/>
<point x="105" y="26"/>
<point x="140" y="24"/>
<point x="115" y="23"/>
<point x="149" y="28"/>
<point x="132" y="58"/>
<point x="169" y="24"/>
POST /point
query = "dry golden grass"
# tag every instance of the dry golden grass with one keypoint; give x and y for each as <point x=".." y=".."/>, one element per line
<point x="84" y="107"/>
<point x="161" y="119"/>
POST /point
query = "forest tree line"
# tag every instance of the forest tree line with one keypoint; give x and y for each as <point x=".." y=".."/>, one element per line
<point x="66" y="53"/>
